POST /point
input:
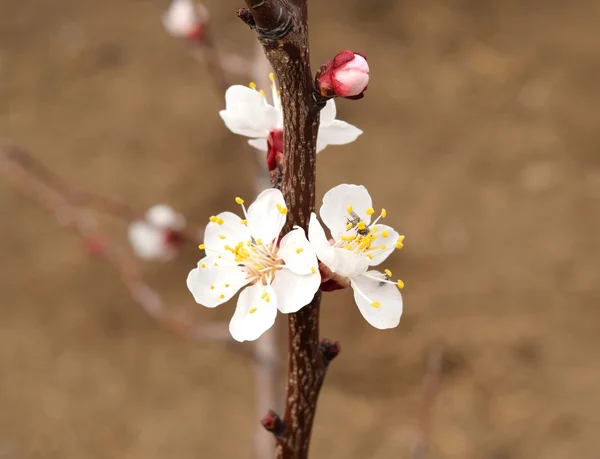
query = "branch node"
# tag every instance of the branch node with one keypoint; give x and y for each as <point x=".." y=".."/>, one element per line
<point x="273" y="423"/>
<point x="329" y="349"/>
<point x="245" y="15"/>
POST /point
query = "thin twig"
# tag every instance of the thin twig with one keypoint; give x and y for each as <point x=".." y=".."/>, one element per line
<point x="24" y="175"/>
<point x="431" y="385"/>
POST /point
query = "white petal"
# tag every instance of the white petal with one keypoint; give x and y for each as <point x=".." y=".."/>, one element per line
<point x="181" y="19"/>
<point x="328" y="113"/>
<point x="337" y="133"/>
<point x="248" y="113"/>
<point x="295" y="291"/>
<point x="385" y="296"/>
<point x="297" y="253"/>
<point x="163" y="216"/>
<point x="334" y="211"/>
<point x="386" y="235"/>
<point x="228" y="234"/>
<point x="259" y="144"/>
<point x="344" y="262"/>
<point x="254" y="315"/>
<point x="214" y="285"/>
<point x="264" y="217"/>
<point x="148" y="243"/>
<point x="316" y="235"/>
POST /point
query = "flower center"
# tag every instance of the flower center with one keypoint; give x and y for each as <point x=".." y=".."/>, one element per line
<point x="260" y="261"/>
<point x="360" y="237"/>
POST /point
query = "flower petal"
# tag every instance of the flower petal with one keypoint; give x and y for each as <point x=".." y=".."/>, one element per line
<point x="214" y="285"/>
<point x="344" y="262"/>
<point x="380" y="303"/>
<point x="265" y="219"/>
<point x="297" y="253"/>
<point x="148" y="243"/>
<point x="336" y="133"/>
<point x="295" y="291"/>
<point x="386" y="236"/>
<point x="316" y="236"/>
<point x="334" y="211"/>
<point x="255" y="312"/>
<point x="328" y="113"/>
<point x="229" y="233"/>
<point x="248" y="113"/>
<point x="163" y="216"/>
<point x="259" y="144"/>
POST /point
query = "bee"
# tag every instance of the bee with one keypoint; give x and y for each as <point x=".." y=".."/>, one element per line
<point x="354" y="221"/>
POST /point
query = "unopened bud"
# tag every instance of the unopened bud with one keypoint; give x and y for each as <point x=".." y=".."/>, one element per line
<point x="346" y="75"/>
<point x="185" y="20"/>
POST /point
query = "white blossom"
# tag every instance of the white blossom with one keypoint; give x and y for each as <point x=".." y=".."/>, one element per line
<point x="157" y="236"/>
<point x="245" y="253"/>
<point x="183" y="19"/>
<point x="357" y="245"/>
<point x="248" y="113"/>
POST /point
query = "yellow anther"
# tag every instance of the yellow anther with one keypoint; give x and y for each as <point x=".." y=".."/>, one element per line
<point x="383" y="213"/>
<point x="252" y="85"/>
<point x="220" y="221"/>
<point x="347" y="238"/>
<point x="221" y="296"/>
<point x="388" y="273"/>
<point x="267" y="298"/>
<point x="259" y="242"/>
<point x="349" y="209"/>
<point x="383" y="246"/>
<point x="272" y="77"/>
<point x="347" y="246"/>
<point x="384" y="233"/>
<point x="244" y="222"/>
<point x="361" y="225"/>
<point x="370" y="211"/>
<point x="222" y="236"/>
<point x="299" y="250"/>
<point x="264" y="295"/>
<point x="253" y="310"/>
<point x="239" y="201"/>
<point x="400" y="242"/>
<point x="202" y="247"/>
<point x="374" y="229"/>
<point x="226" y="285"/>
<point x="349" y="226"/>
<point x="203" y="265"/>
<point x="313" y="270"/>
<point x="282" y="209"/>
<point x="262" y="93"/>
<point x="369" y="256"/>
<point x="213" y="219"/>
<point x="212" y="287"/>
<point x="216" y="264"/>
<point x="376" y="304"/>
<point x="400" y="284"/>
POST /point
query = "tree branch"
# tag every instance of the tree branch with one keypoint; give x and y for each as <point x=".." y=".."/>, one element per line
<point x="282" y="28"/>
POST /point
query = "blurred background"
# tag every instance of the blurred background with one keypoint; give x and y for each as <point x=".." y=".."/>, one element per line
<point x="480" y="138"/>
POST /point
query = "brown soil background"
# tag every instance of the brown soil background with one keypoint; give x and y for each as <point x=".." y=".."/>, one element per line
<point x="481" y="139"/>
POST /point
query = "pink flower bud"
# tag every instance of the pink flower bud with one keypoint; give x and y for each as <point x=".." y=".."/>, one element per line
<point x="346" y="75"/>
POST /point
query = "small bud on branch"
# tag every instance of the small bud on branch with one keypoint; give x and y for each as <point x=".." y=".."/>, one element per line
<point x="273" y="423"/>
<point x="346" y="75"/>
<point x="329" y="349"/>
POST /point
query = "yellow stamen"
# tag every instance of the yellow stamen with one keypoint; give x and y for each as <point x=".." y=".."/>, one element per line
<point x="383" y="213"/>
<point x="244" y="222"/>
<point x="267" y="298"/>
<point x="202" y="247"/>
<point x="226" y="285"/>
<point x="361" y="225"/>
<point x="252" y="85"/>
<point x="221" y="236"/>
<point x="253" y="310"/>
<point x="203" y="265"/>
<point x="213" y="219"/>
<point x="400" y="284"/>
<point x="282" y="209"/>
<point x="212" y="287"/>
<point x="299" y="250"/>
<point x="313" y="270"/>
<point x="259" y="242"/>
<point x="239" y="201"/>
<point x="349" y="209"/>
<point x="370" y="211"/>
<point x="369" y="256"/>
<point x="222" y="296"/>
<point x="347" y="238"/>
<point x="384" y="233"/>
<point x="349" y="226"/>
<point x="388" y="273"/>
<point x="376" y="304"/>
<point x="264" y="295"/>
<point x="220" y="221"/>
<point x="262" y="93"/>
<point x="272" y="77"/>
<point x="399" y="242"/>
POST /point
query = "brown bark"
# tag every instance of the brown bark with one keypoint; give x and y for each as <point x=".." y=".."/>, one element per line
<point x="282" y="28"/>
